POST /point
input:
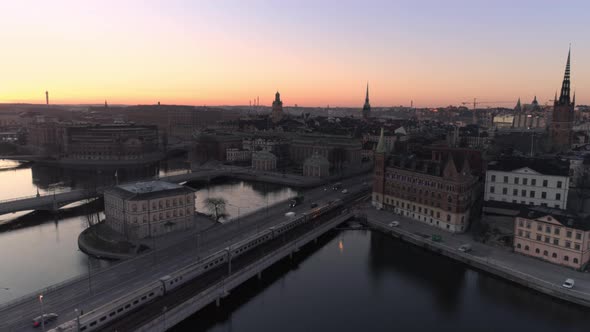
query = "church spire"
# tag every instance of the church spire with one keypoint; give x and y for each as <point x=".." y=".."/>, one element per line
<point x="518" y="108"/>
<point x="367" y="96"/>
<point x="367" y="105"/>
<point x="564" y="97"/>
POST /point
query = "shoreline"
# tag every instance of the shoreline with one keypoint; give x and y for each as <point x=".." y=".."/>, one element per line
<point x="490" y="266"/>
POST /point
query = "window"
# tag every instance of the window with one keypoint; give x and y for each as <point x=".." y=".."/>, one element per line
<point x="578" y="236"/>
<point x="558" y="184"/>
<point x="539" y="228"/>
<point x="523" y="193"/>
<point x="520" y="223"/>
<point x="532" y="194"/>
<point x="520" y="232"/>
<point x="547" y="239"/>
<point x="516" y="180"/>
<point x="577" y="246"/>
<point x="505" y="179"/>
<point x="557" y="206"/>
<point x="566" y="258"/>
<point x="543" y="194"/>
<point x="537" y="251"/>
<point x="448" y="217"/>
<point x="548" y="229"/>
<point x="504" y="191"/>
<point x="526" y="248"/>
<point x="556" y="242"/>
<point x="557" y="196"/>
<point x="515" y="192"/>
<point x="493" y="178"/>
<point x="492" y="189"/>
<point x="554" y="255"/>
<point x="525" y="181"/>
<point x="556" y="231"/>
<point x="539" y="237"/>
<point x="544" y="183"/>
<point x="545" y="253"/>
<point x="568" y="234"/>
<point x="576" y="260"/>
<point x="533" y="182"/>
<point x="518" y="246"/>
<point x="527" y="235"/>
<point x="568" y="244"/>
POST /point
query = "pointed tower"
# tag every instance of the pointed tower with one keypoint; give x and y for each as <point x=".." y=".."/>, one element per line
<point x="367" y="105"/>
<point x="518" y="108"/>
<point x="563" y="114"/>
<point x="379" y="174"/>
<point x="277" y="108"/>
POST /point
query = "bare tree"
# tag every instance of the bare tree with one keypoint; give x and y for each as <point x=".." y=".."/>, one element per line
<point x="216" y="206"/>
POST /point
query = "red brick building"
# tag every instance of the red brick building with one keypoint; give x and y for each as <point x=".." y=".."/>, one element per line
<point x="439" y="191"/>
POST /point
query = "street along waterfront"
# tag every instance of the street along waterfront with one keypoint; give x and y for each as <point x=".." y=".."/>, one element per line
<point x="368" y="281"/>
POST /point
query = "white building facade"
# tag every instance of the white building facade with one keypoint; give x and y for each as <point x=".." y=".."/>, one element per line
<point x="528" y="182"/>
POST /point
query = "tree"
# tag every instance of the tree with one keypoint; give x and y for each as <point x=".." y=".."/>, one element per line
<point x="216" y="206"/>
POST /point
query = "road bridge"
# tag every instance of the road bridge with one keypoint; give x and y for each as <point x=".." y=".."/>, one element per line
<point x="88" y="291"/>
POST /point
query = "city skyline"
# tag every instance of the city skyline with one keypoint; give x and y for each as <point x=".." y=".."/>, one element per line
<point x="314" y="54"/>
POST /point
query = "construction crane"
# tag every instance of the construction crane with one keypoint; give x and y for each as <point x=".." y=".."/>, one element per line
<point x="475" y="102"/>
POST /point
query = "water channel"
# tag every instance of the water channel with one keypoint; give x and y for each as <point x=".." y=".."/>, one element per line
<point x="43" y="249"/>
<point x="366" y="281"/>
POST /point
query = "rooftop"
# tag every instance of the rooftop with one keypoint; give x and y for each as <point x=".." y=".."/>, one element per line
<point x="543" y="166"/>
<point x="149" y="189"/>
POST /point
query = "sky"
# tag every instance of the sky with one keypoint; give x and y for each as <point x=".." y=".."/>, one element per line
<point x="316" y="53"/>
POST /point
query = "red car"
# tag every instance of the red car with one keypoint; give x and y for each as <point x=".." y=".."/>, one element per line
<point x="47" y="318"/>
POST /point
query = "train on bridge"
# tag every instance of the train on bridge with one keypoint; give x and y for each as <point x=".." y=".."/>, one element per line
<point x="102" y="316"/>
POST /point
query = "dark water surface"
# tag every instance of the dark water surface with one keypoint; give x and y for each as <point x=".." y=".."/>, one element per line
<point x="366" y="281"/>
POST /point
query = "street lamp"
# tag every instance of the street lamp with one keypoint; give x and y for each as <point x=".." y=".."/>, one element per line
<point x="77" y="312"/>
<point x="42" y="313"/>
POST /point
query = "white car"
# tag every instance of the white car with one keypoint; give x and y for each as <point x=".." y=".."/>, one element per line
<point x="345" y="191"/>
<point x="465" y="248"/>
<point x="568" y="283"/>
<point x="394" y="224"/>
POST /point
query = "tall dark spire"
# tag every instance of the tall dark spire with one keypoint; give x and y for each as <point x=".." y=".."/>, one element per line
<point x="518" y="108"/>
<point x="564" y="97"/>
<point x="367" y="96"/>
<point x="367" y="105"/>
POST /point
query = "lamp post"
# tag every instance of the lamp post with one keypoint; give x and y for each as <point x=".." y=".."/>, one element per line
<point x="42" y="313"/>
<point x="77" y="312"/>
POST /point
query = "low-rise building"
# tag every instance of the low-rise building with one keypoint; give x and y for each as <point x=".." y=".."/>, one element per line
<point x="149" y="209"/>
<point x="529" y="181"/>
<point x="553" y="235"/>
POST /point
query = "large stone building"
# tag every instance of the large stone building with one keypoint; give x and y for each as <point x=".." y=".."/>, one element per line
<point x="210" y="146"/>
<point x="553" y="235"/>
<point x="111" y="143"/>
<point x="316" y="166"/>
<point x="264" y="161"/>
<point x="438" y="192"/>
<point x="562" y="121"/>
<point x="149" y="209"/>
<point x="341" y="151"/>
<point x="528" y="181"/>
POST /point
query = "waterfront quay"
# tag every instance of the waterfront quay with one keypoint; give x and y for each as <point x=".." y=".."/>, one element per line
<point x="91" y="291"/>
<point x="526" y="271"/>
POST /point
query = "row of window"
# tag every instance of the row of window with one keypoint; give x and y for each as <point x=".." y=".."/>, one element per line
<point x="523" y="193"/>
<point x="162" y="216"/>
<point x="516" y="180"/>
<point x="161" y="204"/>
<point x="407" y="206"/>
<point x="557" y="206"/>
<point x="549" y="240"/>
<point x="548" y="228"/>
<point x="546" y="253"/>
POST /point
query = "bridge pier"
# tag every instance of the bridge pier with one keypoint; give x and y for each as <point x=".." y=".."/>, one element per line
<point x="259" y="275"/>
<point x="218" y="302"/>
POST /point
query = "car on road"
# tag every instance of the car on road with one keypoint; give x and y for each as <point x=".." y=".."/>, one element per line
<point x="290" y="214"/>
<point x="465" y="248"/>
<point x="394" y="224"/>
<point x="45" y="318"/>
<point x="569" y="283"/>
<point x="345" y="191"/>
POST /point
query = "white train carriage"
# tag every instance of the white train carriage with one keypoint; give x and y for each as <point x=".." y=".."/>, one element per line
<point x="105" y="314"/>
<point x="179" y="277"/>
<point x="249" y="243"/>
